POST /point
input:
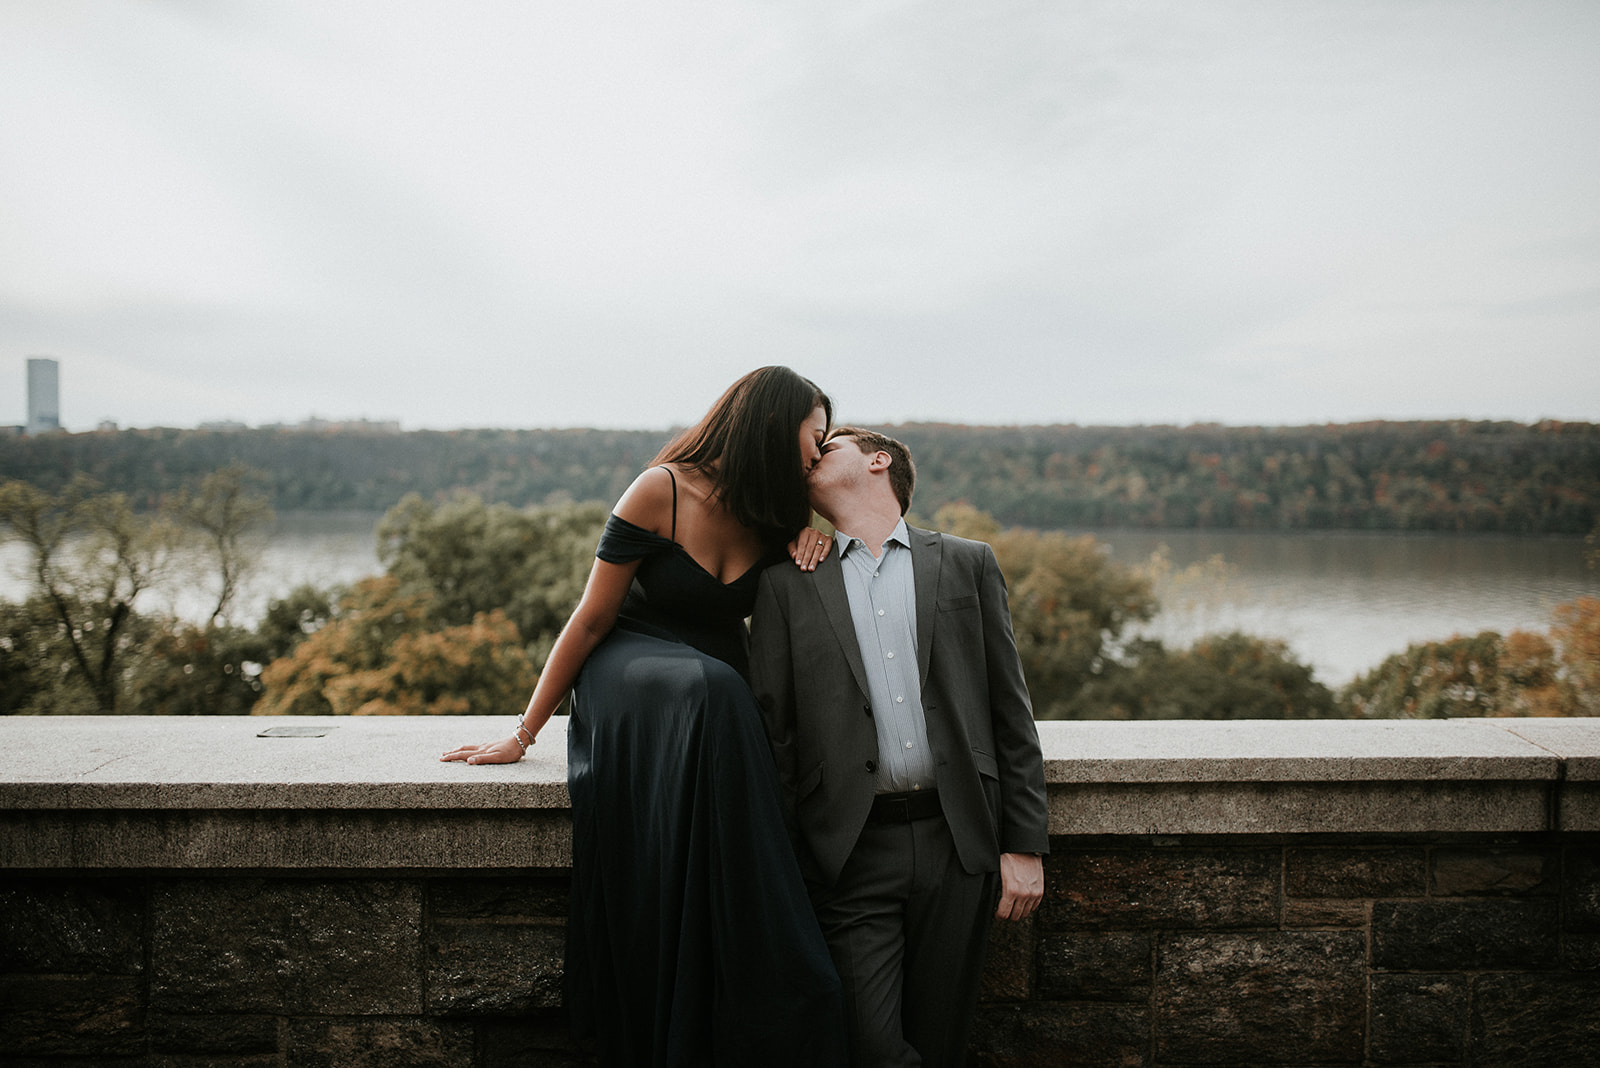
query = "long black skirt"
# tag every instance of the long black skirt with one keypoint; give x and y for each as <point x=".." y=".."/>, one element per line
<point x="691" y="939"/>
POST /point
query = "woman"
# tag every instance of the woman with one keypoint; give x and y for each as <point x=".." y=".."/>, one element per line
<point x="691" y="939"/>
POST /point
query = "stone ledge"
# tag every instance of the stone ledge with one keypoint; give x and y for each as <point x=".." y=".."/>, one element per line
<point x="179" y="762"/>
<point x="170" y="792"/>
<point x="1309" y="750"/>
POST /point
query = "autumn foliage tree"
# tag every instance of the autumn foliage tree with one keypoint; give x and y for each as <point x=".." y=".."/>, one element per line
<point x="1576" y="631"/>
<point x="1522" y="673"/>
<point x="472" y="601"/>
<point x="383" y="654"/>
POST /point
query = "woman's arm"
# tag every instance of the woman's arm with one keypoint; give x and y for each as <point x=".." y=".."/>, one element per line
<point x="645" y="504"/>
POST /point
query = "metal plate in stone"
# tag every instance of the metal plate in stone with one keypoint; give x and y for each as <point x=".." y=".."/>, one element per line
<point x="295" y="732"/>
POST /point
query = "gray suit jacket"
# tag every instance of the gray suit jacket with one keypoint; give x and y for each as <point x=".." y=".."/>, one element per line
<point x="806" y="670"/>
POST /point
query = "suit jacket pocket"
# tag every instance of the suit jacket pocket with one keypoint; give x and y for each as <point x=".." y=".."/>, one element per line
<point x="986" y="764"/>
<point x="956" y="604"/>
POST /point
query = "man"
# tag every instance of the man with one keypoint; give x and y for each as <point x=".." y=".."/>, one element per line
<point x="905" y="742"/>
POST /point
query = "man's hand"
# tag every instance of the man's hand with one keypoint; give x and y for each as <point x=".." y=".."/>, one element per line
<point x="1021" y="885"/>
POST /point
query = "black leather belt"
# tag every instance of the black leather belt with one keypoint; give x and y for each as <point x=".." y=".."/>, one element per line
<point x="903" y="808"/>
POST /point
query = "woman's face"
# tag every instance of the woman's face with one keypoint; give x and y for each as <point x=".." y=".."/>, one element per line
<point x="811" y="434"/>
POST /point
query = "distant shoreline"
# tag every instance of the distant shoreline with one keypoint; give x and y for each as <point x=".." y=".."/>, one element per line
<point x="1441" y="476"/>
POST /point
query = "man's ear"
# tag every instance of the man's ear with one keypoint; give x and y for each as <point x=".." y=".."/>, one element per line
<point x="880" y="461"/>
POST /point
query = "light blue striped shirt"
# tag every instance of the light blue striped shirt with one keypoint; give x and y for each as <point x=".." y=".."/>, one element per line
<point x="883" y="607"/>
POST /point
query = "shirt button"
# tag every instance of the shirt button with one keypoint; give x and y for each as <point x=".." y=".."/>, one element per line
<point x="891" y="656"/>
<point x="909" y="744"/>
<point x="900" y="699"/>
<point x="880" y="611"/>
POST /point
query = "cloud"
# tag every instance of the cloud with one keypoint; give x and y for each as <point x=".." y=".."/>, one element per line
<point x="515" y="214"/>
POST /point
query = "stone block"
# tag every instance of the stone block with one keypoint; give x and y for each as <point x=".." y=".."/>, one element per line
<point x="85" y="1016"/>
<point x="213" y="1034"/>
<point x="1170" y="888"/>
<point x="378" y="1043"/>
<point x="287" y="946"/>
<point x="1052" y="1034"/>
<point x="1549" y="1020"/>
<point x="1250" y="806"/>
<point x="520" y="897"/>
<point x="1581" y="899"/>
<point x="1095" y="966"/>
<point x="544" y="1041"/>
<point x="1315" y="913"/>
<point x="1579" y="807"/>
<point x="1279" y="997"/>
<point x="1581" y="953"/>
<point x="300" y="838"/>
<point x="1418" y="1018"/>
<point x="1008" y="962"/>
<point x="59" y="926"/>
<point x="207" y="1060"/>
<point x="1355" y="873"/>
<point x="1494" y="871"/>
<point x="1436" y="936"/>
<point x="494" y="969"/>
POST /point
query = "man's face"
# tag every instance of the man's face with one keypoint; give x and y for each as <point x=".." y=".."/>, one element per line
<point x="843" y="466"/>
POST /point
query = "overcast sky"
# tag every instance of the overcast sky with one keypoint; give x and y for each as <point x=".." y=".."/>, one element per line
<point x="594" y="214"/>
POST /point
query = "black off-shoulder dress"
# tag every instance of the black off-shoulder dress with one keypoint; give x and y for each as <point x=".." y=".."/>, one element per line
<point x="691" y="939"/>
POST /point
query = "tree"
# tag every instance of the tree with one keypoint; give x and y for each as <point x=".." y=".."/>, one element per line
<point x="471" y="558"/>
<point x="181" y="669"/>
<point x="382" y="654"/>
<point x="1576" y="631"/>
<point x="227" y="513"/>
<point x="291" y="620"/>
<point x="38" y="674"/>
<point x="1486" y="674"/>
<point x="92" y="557"/>
<point x="1221" y="676"/>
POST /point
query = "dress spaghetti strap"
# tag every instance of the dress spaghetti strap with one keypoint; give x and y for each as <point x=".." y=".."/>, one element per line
<point x="668" y="470"/>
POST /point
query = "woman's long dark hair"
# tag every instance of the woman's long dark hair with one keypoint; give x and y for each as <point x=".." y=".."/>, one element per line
<point x="748" y="445"/>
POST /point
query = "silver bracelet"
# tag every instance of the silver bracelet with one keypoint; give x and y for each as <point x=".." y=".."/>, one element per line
<point x="517" y="736"/>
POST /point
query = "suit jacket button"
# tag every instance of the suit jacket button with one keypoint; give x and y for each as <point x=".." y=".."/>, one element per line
<point x="867" y="708"/>
<point x="872" y="765"/>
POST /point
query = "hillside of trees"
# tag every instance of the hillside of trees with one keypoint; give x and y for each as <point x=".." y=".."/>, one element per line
<point x="1500" y="477"/>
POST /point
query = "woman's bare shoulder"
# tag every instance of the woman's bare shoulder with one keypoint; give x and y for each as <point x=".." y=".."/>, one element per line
<point x="647" y="502"/>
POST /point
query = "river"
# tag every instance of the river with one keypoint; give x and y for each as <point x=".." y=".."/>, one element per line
<point x="1343" y="601"/>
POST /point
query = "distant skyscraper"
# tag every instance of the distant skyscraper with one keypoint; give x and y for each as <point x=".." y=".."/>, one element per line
<point x="44" y="395"/>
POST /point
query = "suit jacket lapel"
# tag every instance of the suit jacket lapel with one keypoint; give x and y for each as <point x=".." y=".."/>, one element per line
<point x="836" y="603"/>
<point x="927" y="554"/>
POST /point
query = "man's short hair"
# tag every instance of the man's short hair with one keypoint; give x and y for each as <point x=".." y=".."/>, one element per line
<point x="902" y="472"/>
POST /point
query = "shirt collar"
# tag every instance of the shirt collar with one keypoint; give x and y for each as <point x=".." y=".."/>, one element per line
<point x="898" y="536"/>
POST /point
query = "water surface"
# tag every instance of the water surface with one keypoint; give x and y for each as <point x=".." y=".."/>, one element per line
<point x="1343" y="601"/>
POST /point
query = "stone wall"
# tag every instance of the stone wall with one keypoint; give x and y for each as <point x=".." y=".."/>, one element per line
<point x="1278" y="950"/>
<point x="177" y="893"/>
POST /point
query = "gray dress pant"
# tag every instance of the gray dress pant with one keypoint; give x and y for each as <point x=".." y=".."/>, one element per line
<point x="908" y="928"/>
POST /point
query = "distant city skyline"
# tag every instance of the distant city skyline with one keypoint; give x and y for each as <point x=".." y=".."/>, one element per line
<point x="44" y="395"/>
<point x="540" y="215"/>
